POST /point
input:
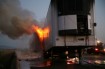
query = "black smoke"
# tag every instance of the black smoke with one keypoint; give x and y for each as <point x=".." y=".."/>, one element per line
<point x="14" y="20"/>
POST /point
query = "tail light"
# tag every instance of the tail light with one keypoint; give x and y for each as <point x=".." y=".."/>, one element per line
<point x="96" y="49"/>
<point x="104" y="50"/>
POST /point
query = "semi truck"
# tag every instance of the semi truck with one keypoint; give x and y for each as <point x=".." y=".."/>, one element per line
<point x="72" y="28"/>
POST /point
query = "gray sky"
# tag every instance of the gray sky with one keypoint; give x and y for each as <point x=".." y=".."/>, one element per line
<point x="100" y="19"/>
<point x="39" y="8"/>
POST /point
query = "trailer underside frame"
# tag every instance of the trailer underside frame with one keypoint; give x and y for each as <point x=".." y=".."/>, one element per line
<point x="64" y="51"/>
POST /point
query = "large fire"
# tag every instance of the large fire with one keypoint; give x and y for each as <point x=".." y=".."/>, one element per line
<point x="42" y="33"/>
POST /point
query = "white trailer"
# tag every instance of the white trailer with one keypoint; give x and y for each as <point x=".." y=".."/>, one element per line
<point x="71" y="25"/>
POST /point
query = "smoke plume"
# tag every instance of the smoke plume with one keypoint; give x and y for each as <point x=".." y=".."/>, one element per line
<point x="14" y="20"/>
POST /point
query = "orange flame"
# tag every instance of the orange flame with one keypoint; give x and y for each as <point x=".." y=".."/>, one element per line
<point x="42" y="33"/>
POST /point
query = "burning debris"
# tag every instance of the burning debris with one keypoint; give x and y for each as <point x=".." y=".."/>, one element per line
<point x="42" y="33"/>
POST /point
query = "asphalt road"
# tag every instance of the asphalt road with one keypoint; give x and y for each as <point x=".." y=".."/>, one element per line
<point x="94" y="59"/>
<point x="88" y="62"/>
<point x="75" y="66"/>
<point x="95" y="62"/>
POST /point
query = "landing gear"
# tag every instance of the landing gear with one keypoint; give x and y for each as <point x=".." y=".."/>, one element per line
<point x="80" y="56"/>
